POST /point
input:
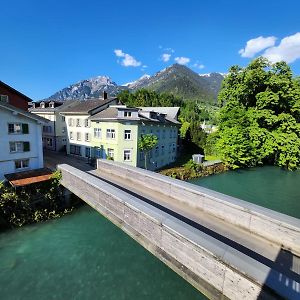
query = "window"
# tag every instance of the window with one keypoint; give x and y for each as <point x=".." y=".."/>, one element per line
<point x="164" y="134"/>
<point x="127" y="134"/>
<point x="110" y="133"/>
<point x="86" y="123"/>
<point x="15" y="128"/>
<point x="162" y="150"/>
<point x="15" y="147"/>
<point x="78" y="123"/>
<point x="63" y="118"/>
<point x="127" y="155"/>
<point x="87" y="137"/>
<point x="19" y="147"/>
<point x="98" y="152"/>
<point x="110" y="153"/>
<point x="51" y="104"/>
<point x="170" y="133"/>
<point x="4" y="98"/>
<point x="76" y="150"/>
<point x="71" y="135"/>
<point x="78" y="136"/>
<point x="170" y="148"/>
<point x="70" y="122"/>
<point x="97" y="133"/>
<point x="156" y="151"/>
<point x="49" y="142"/>
<point x="63" y="130"/>
<point x="22" y="163"/>
<point x="42" y="104"/>
<point x="87" y="151"/>
<point x="127" y="114"/>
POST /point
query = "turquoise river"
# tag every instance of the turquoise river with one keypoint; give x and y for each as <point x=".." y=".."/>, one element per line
<point x="84" y="256"/>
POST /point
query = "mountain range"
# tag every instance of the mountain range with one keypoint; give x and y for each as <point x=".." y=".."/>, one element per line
<point x="176" y="79"/>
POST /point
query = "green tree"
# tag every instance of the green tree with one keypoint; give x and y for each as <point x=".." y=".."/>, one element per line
<point x="146" y="143"/>
<point x="260" y="115"/>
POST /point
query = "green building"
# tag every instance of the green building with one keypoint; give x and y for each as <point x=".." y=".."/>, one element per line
<point x="115" y="132"/>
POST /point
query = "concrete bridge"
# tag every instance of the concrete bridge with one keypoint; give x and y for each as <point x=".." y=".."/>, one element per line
<point x="225" y="247"/>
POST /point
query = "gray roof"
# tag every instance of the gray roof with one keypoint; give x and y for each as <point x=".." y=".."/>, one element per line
<point x="23" y="112"/>
<point x="85" y="107"/>
<point x="64" y="106"/>
<point x="111" y="114"/>
<point x="171" y="112"/>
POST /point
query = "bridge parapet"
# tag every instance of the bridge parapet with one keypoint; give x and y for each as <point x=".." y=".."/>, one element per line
<point x="214" y="268"/>
<point x="276" y="227"/>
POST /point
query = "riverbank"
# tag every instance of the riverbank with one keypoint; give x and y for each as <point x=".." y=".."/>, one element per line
<point x="191" y="170"/>
<point x="34" y="203"/>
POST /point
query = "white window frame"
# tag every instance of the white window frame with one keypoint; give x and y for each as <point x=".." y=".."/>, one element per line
<point x="87" y="123"/>
<point x="110" y="133"/>
<point x="87" y="137"/>
<point x="97" y="133"/>
<point x="24" y="164"/>
<point x="15" y="125"/>
<point x="78" y="136"/>
<point x="78" y="122"/>
<point x="128" y="155"/>
<point x="111" y="152"/>
<point x="16" y="146"/>
<point x="71" y="135"/>
<point x="127" y="114"/>
<point x="4" y="98"/>
<point x="127" y="134"/>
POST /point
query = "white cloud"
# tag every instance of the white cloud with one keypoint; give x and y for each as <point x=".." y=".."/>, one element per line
<point x="182" y="60"/>
<point x="199" y="66"/>
<point x="288" y="49"/>
<point x="165" y="57"/>
<point x="256" y="45"/>
<point x="128" y="60"/>
<point x="171" y="50"/>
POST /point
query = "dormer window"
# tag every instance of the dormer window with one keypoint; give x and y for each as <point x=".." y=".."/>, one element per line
<point x="51" y="105"/>
<point x="42" y="104"/>
<point x="4" y="98"/>
<point x="127" y="114"/>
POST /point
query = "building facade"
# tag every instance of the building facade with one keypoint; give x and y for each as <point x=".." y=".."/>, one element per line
<point x="13" y="97"/>
<point x="55" y="131"/>
<point x="116" y="131"/>
<point x="20" y="140"/>
<point x="78" y="125"/>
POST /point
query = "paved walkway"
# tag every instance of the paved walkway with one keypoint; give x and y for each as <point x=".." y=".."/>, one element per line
<point x="52" y="159"/>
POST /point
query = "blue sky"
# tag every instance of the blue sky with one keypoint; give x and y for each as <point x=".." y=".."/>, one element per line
<point x="48" y="45"/>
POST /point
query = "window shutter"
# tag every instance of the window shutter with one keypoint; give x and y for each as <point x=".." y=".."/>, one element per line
<point x="25" y="129"/>
<point x="26" y="146"/>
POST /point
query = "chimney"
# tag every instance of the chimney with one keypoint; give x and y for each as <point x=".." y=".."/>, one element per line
<point x="104" y="95"/>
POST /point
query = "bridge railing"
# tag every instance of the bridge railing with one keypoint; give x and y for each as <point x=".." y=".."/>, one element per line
<point x="274" y="226"/>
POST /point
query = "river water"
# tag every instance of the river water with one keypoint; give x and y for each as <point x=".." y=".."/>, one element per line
<point x="83" y="256"/>
<point x="267" y="186"/>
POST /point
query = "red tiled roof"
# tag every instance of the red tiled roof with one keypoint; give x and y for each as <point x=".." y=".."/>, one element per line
<point x="29" y="177"/>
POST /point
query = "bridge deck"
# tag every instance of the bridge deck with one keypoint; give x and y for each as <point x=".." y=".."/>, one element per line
<point x="245" y="242"/>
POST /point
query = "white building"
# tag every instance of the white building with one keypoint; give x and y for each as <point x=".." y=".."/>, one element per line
<point x="55" y="131"/>
<point x="20" y="140"/>
<point x="78" y="124"/>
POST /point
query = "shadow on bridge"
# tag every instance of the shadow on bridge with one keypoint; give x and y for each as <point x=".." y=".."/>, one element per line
<point x="287" y="282"/>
